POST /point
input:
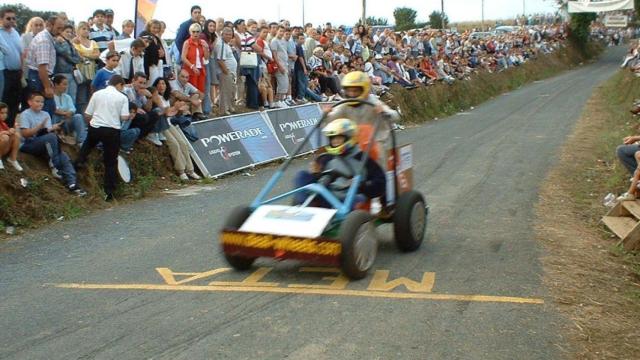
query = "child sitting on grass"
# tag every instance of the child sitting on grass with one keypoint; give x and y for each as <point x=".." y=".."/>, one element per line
<point x="9" y="140"/>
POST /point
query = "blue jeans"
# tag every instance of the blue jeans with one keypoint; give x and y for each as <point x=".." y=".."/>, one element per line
<point x="626" y="155"/>
<point x="313" y="96"/>
<point x="162" y="124"/>
<point x="206" y="102"/>
<point x="1" y="81"/>
<point x="76" y="124"/>
<point x="128" y="136"/>
<point x="301" y="84"/>
<point x="47" y="147"/>
<point x="72" y="90"/>
<point x="82" y="96"/>
<point x="35" y="84"/>
<point x="251" y="84"/>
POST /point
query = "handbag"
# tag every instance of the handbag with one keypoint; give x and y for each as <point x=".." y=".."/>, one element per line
<point x="77" y="75"/>
<point x="88" y="69"/>
<point x="248" y="59"/>
<point x="272" y="67"/>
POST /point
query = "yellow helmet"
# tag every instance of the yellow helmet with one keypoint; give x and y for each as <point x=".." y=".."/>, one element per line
<point x="358" y="79"/>
<point x="341" y="127"/>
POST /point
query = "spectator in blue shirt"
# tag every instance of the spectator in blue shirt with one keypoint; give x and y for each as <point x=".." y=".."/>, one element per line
<point x="12" y="63"/>
<point x="101" y="80"/>
<point x="66" y="110"/>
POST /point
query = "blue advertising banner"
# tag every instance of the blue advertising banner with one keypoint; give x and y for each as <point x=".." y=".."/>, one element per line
<point x="292" y="125"/>
<point x="233" y="143"/>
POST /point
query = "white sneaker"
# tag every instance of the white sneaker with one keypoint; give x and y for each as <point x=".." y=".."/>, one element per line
<point x="184" y="177"/>
<point x="15" y="164"/>
<point x="161" y="137"/>
<point x="55" y="174"/>
<point x="283" y="104"/>
<point x="1" y="165"/>
<point x="193" y="175"/>
<point x="153" y="138"/>
<point x="626" y="197"/>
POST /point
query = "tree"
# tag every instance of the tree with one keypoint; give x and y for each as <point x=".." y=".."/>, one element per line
<point x="435" y="20"/>
<point x="24" y="13"/>
<point x="580" y="27"/>
<point x="373" y="21"/>
<point x="405" y="18"/>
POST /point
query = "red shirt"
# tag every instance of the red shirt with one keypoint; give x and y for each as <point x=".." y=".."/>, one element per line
<point x="3" y="126"/>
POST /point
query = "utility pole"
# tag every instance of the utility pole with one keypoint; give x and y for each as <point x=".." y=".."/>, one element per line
<point x="524" y="12"/>
<point x="364" y="12"/>
<point x="303" y="23"/>
<point x="482" y="15"/>
<point x="442" y="12"/>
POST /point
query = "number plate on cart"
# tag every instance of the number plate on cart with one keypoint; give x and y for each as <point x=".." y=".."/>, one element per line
<point x="320" y="250"/>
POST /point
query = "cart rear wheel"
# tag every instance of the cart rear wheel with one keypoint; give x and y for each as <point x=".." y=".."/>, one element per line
<point x="234" y="221"/>
<point x="410" y="221"/>
<point x="359" y="245"/>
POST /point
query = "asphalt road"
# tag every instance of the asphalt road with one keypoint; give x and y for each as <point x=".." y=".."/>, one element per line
<point x="482" y="296"/>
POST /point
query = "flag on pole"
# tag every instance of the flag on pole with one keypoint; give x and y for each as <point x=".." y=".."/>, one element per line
<point x="144" y="13"/>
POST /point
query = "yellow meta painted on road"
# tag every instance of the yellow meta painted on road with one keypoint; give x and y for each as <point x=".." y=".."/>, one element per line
<point x="380" y="283"/>
<point x="379" y="287"/>
<point x="309" y="291"/>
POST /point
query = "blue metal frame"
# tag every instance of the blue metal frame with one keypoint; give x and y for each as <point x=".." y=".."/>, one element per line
<point x="344" y="208"/>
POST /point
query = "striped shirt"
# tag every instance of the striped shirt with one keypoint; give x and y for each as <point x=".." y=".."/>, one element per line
<point x="246" y="41"/>
<point x="101" y="36"/>
<point x="42" y="51"/>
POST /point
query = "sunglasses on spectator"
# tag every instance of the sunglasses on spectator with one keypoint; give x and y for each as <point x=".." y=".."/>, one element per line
<point x="10" y="18"/>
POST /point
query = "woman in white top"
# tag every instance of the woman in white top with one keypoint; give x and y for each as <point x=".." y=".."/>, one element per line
<point x="178" y="146"/>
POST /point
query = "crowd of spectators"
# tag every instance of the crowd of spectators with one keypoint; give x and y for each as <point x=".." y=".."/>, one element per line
<point x="215" y="67"/>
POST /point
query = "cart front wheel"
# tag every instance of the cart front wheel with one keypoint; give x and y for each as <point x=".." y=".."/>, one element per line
<point x="359" y="245"/>
<point x="234" y="221"/>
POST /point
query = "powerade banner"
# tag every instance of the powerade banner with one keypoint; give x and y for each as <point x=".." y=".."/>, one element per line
<point x="232" y="143"/>
<point x="293" y="125"/>
<point x="144" y="13"/>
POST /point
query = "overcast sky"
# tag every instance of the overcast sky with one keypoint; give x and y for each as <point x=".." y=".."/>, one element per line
<point x="346" y="12"/>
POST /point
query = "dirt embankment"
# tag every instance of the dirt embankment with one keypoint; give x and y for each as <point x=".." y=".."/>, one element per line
<point x="593" y="283"/>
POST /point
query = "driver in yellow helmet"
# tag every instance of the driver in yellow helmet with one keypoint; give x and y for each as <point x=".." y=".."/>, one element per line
<point x="357" y="85"/>
<point x="342" y="154"/>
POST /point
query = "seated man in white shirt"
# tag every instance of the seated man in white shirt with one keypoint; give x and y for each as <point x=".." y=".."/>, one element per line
<point x="182" y="90"/>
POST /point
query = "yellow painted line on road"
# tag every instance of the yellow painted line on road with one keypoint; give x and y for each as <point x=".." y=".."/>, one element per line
<point x="306" y="291"/>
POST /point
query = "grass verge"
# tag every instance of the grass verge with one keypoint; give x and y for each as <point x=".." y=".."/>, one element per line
<point x="45" y="199"/>
<point x="592" y="281"/>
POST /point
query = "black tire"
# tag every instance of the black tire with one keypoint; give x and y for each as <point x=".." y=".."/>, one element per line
<point x="352" y="265"/>
<point x="410" y="208"/>
<point x="234" y="221"/>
